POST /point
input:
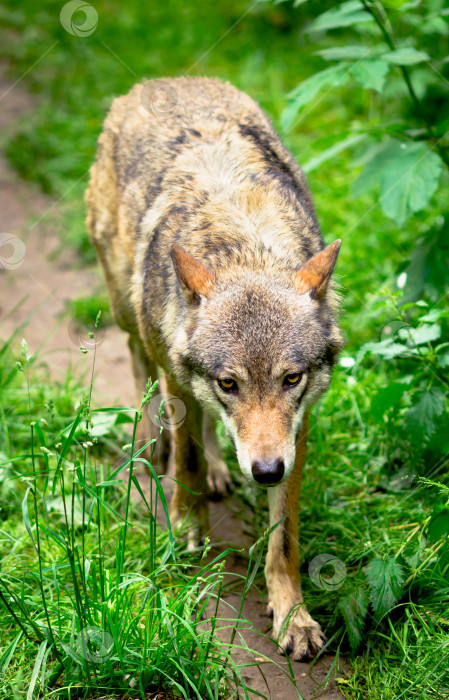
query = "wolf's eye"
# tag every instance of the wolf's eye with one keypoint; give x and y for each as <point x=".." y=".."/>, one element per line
<point x="227" y="384"/>
<point x="292" y="379"/>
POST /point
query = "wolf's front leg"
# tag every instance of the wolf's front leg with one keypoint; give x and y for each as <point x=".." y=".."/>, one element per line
<point x="218" y="477"/>
<point x="297" y="633"/>
<point x="144" y="368"/>
<point x="189" y="463"/>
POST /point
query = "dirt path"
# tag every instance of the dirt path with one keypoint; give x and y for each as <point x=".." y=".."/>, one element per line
<point x="37" y="287"/>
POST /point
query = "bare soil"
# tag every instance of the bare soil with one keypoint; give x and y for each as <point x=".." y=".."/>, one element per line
<point x="35" y="294"/>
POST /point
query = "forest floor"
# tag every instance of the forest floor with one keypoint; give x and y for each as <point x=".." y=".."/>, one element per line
<point x="35" y="294"/>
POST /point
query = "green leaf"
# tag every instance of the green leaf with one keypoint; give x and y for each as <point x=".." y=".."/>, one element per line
<point x="411" y="555"/>
<point x="374" y="160"/>
<point x="406" y="56"/>
<point x="409" y="181"/>
<point x="111" y="482"/>
<point x="439" y="524"/>
<point x="344" y="53"/>
<point x="36" y="669"/>
<point x="426" y="411"/>
<point x="435" y="25"/>
<point x="354" y="608"/>
<point x="332" y="151"/>
<point x="26" y="516"/>
<point x="385" y="348"/>
<point x="407" y="174"/>
<point x="346" y="15"/>
<point x="296" y="3"/>
<point x="8" y="653"/>
<point x="385" y="579"/>
<point x="433" y="315"/>
<point x="306" y="91"/>
<point x="423" y="334"/>
<point x="66" y="446"/>
<point x="102" y="423"/>
<point x="443" y="360"/>
<point x="370" y="73"/>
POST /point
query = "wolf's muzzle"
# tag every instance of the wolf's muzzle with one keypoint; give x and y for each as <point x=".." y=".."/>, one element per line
<point x="268" y="472"/>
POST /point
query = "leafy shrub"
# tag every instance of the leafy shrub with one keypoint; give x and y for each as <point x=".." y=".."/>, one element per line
<point x="393" y="401"/>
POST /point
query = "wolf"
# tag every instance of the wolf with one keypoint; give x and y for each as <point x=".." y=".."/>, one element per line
<point x="216" y="267"/>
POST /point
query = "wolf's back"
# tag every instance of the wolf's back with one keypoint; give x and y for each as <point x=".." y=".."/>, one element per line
<point x="157" y="121"/>
<point x="196" y="162"/>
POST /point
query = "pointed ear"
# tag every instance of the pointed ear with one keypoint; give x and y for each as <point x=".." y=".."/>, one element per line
<point x="198" y="281"/>
<point x="315" y="274"/>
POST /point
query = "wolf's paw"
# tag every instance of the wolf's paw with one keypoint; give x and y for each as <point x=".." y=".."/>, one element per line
<point x="302" y="642"/>
<point x="187" y="531"/>
<point x="218" y="480"/>
<point x="190" y="523"/>
<point x="301" y="638"/>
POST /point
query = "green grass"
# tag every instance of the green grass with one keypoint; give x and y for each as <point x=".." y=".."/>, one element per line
<point x="84" y="310"/>
<point x="86" y="607"/>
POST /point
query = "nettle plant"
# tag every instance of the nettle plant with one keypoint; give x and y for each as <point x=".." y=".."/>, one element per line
<point x="410" y="407"/>
<point x="398" y="55"/>
<point x="397" y="132"/>
<point x="400" y="387"/>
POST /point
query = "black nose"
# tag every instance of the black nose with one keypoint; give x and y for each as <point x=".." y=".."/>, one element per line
<point x="268" y="471"/>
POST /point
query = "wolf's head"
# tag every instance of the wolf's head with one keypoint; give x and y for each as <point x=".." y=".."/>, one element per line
<point x="258" y="351"/>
